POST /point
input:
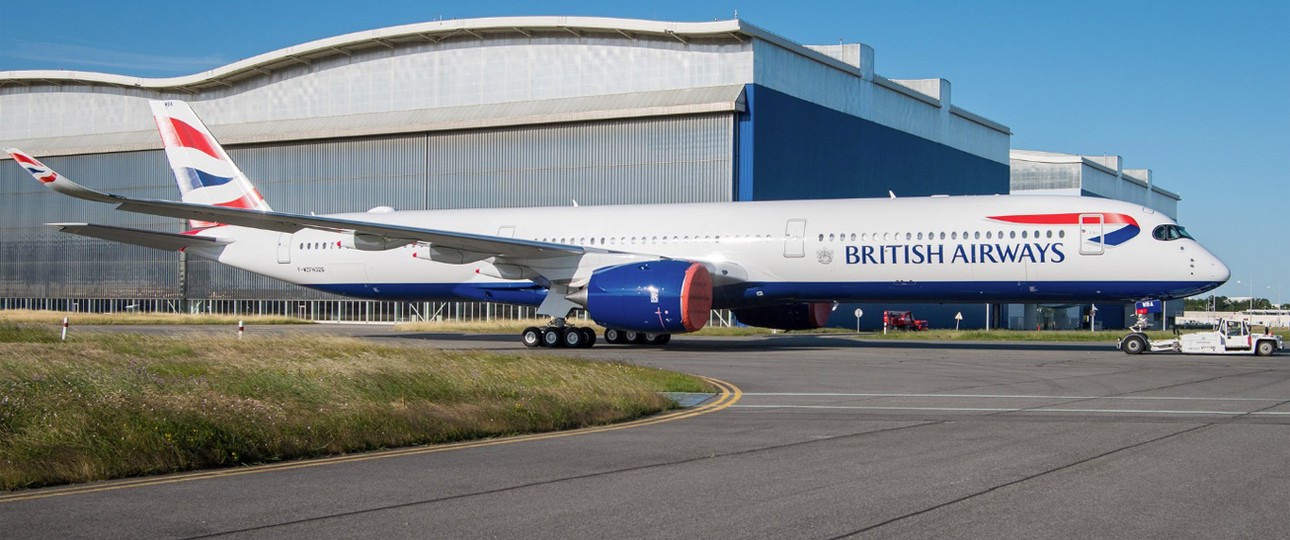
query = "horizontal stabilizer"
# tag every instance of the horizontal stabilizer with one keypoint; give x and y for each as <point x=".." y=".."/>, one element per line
<point x="139" y="237"/>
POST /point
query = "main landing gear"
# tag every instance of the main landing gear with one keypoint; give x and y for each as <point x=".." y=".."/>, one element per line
<point x="628" y="337"/>
<point x="573" y="337"/>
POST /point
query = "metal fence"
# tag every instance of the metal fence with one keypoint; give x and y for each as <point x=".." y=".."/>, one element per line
<point x="348" y="311"/>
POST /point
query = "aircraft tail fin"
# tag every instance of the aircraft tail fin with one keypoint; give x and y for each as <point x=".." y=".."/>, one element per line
<point x="204" y="172"/>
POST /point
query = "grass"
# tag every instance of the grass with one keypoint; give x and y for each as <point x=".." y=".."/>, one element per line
<point x="116" y="405"/>
<point x="56" y="318"/>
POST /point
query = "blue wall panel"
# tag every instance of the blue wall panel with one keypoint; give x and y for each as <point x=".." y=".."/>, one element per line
<point x="800" y="150"/>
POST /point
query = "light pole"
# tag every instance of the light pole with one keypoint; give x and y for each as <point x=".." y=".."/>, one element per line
<point x="1251" y="286"/>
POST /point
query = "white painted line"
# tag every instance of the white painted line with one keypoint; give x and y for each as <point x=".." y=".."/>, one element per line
<point x="1014" y="409"/>
<point x="1013" y="396"/>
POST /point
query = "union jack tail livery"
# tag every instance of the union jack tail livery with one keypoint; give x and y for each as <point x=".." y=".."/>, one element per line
<point x="204" y="172"/>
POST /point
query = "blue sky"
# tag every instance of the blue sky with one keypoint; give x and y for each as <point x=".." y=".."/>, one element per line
<point x="1195" y="91"/>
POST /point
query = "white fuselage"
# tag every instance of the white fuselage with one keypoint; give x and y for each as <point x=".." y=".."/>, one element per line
<point x="936" y="249"/>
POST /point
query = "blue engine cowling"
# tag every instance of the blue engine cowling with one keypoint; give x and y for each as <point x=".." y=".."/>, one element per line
<point x="655" y="296"/>
<point x="795" y="316"/>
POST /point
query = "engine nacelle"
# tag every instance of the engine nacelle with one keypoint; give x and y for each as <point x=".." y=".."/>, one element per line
<point x="657" y="296"/>
<point x="371" y="242"/>
<point x="795" y="316"/>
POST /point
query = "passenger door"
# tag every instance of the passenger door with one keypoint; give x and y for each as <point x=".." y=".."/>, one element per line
<point x="795" y="238"/>
<point x="284" y="248"/>
<point x="1091" y="231"/>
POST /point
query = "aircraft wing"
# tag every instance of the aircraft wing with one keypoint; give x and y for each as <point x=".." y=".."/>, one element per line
<point x="152" y="239"/>
<point x="290" y="223"/>
<point x="511" y="248"/>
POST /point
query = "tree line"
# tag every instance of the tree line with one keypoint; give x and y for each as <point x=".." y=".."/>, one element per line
<point x="1223" y="303"/>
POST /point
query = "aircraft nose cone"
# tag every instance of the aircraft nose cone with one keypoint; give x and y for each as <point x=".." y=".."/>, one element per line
<point x="1220" y="271"/>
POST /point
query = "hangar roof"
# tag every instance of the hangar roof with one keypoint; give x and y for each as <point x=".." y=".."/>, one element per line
<point x="1107" y="164"/>
<point x="713" y="99"/>
<point x="348" y="85"/>
<point x="425" y="32"/>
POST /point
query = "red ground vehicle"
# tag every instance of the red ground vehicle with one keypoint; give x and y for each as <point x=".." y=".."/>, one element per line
<point x="902" y="320"/>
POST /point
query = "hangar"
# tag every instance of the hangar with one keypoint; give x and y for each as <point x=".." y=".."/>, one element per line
<point x="497" y="112"/>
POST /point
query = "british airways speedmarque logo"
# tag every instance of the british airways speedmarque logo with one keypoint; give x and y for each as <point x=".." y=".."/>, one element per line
<point x="1129" y="226"/>
<point x="36" y="168"/>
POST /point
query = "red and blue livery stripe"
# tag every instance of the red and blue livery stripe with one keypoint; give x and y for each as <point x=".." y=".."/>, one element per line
<point x="190" y="137"/>
<point x="36" y="168"/>
<point x="1119" y="236"/>
<point x="198" y="179"/>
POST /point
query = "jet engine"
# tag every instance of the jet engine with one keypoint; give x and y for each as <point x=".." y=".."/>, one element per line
<point x="795" y="316"/>
<point x="654" y="296"/>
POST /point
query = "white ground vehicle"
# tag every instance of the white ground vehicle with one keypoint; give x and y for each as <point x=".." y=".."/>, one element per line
<point x="1228" y="337"/>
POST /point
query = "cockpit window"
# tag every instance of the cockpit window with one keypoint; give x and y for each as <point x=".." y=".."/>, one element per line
<point x="1170" y="232"/>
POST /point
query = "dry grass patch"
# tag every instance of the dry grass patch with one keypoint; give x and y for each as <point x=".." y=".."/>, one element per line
<point x="114" y="405"/>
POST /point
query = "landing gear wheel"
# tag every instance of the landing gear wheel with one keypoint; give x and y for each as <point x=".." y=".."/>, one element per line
<point x="532" y="337"/>
<point x="633" y="337"/>
<point x="552" y="337"/>
<point x="1133" y="345"/>
<point x="1265" y="348"/>
<point x="588" y="337"/>
<point x="613" y="336"/>
<point x="655" y="339"/>
<point x="575" y="338"/>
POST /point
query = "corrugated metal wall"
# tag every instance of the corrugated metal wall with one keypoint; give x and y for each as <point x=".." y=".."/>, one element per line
<point x="645" y="160"/>
<point x="38" y="261"/>
<point x="649" y="160"/>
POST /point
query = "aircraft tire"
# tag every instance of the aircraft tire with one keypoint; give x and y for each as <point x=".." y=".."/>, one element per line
<point x="1133" y="345"/>
<point x="552" y="337"/>
<point x="588" y="337"/>
<point x="634" y="338"/>
<point x="655" y="339"/>
<point x="532" y="337"/>
<point x="613" y="336"/>
<point x="573" y="338"/>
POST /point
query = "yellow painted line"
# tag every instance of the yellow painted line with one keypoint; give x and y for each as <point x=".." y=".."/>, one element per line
<point x="728" y="395"/>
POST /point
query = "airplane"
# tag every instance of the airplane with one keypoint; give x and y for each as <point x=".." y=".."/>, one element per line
<point x="645" y="272"/>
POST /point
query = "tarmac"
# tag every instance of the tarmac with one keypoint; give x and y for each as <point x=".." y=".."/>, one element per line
<point x="813" y="436"/>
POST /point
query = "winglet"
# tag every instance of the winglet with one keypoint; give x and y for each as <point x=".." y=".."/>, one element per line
<point x="55" y="181"/>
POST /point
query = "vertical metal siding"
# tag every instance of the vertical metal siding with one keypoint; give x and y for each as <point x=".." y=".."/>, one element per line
<point x="38" y="261"/>
<point x="646" y="160"/>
